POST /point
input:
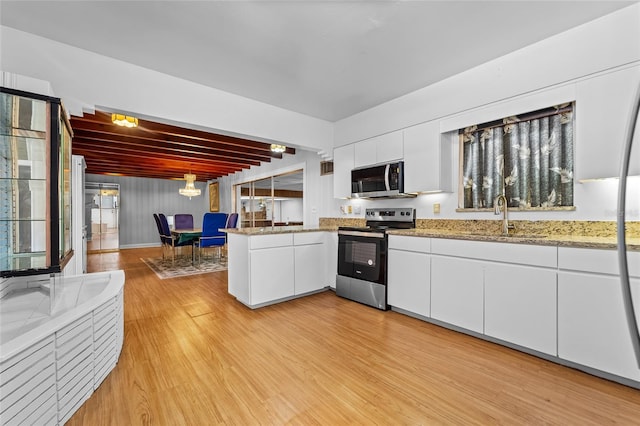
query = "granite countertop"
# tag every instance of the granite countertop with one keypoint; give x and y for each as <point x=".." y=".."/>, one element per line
<point x="271" y="230"/>
<point x="580" y="235"/>
<point x="583" y="241"/>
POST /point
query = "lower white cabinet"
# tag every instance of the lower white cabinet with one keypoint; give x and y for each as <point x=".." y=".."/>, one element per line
<point x="457" y="292"/>
<point x="592" y="329"/>
<point x="592" y="326"/>
<point x="271" y="274"/>
<point x="409" y="275"/>
<point x="265" y="269"/>
<point x="310" y="268"/>
<point x="520" y="306"/>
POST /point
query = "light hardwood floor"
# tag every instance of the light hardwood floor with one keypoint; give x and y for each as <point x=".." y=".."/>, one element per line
<point x="193" y="355"/>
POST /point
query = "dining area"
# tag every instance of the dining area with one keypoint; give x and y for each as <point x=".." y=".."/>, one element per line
<point x="183" y="242"/>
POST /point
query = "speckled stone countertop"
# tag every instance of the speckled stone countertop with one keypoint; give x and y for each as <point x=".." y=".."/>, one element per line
<point x="586" y="234"/>
<point x="271" y="230"/>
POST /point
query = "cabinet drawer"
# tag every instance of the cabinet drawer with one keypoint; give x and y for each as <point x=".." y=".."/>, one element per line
<point x="308" y="238"/>
<point x="595" y="260"/>
<point x="546" y="256"/>
<point x="417" y="244"/>
<point x="268" y="241"/>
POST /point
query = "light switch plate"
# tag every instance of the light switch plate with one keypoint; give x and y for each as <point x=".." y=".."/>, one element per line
<point x="436" y="208"/>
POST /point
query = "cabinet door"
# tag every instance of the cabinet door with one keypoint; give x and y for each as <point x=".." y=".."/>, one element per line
<point x="342" y="166"/>
<point x="331" y="251"/>
<point x="389" y="147"/>
<point x="457" y="292"/>
<point x="364" y="153"/>
<point x="592" y="327"/>
<point x="409" y="281"/>
<point x="427" y="159"/>
<point x="272" y="274"/>
<point x="603" y="106"/>
<point x="520" y="306"/>
<point x="310" y="268"/>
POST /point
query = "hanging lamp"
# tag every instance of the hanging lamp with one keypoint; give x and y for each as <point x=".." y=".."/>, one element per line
<point x="189" y="189"/>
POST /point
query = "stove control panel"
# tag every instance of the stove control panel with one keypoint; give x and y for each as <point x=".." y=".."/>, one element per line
<point x="401" y="214"/>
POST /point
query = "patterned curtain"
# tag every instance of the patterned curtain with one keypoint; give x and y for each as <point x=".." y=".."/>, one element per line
<point x="528" y="158"/>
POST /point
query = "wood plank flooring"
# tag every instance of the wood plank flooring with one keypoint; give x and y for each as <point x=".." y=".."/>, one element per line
<point x="193" y="355"/>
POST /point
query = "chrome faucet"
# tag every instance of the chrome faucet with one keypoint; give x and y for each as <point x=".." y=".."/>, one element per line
<point x="501" y="207"/>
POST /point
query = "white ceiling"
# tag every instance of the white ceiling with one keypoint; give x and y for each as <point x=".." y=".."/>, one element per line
<point x="327" y="59"/>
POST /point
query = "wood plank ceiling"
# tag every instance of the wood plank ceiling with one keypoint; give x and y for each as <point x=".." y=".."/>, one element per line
<point x="156" y="150"/>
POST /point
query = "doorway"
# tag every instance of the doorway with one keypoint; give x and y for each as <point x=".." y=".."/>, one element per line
<point x="102" y="212"/>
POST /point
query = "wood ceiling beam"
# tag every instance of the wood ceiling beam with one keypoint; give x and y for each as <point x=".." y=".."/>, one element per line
<point x="170" y="131"/>
<point x="143" y="155"/>
<point x="161" y="145"/>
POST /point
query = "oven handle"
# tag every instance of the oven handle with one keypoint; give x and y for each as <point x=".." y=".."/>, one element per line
<point x="361" y="234"/>
<point x="386" y="177"/>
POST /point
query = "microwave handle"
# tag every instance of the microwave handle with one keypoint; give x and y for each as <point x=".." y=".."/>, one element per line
<point x="386" y="177"/>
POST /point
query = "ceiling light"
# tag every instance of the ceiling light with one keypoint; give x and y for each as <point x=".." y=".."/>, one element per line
<point x="190" y="189"/>
<point x="124" y="120"/>
<point x="278" y="148"/>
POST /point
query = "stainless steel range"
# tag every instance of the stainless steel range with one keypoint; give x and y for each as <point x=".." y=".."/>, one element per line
<point x="362" y="255"/>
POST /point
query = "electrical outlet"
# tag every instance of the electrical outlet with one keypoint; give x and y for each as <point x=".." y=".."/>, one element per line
<point x="436" y="208"/>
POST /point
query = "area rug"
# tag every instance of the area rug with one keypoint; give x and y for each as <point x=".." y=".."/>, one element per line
<point x="182" y="267"/>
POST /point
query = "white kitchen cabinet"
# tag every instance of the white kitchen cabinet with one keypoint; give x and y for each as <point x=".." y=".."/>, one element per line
<point x="603" y="106"/>
<point x="266" y="269"/>
<point x="342" y="166"/>
<point x="592" y="327"/>
<point x="427" y="158"/>
<point x="309" y="261"/>
<point x="409" y="274"/>
<point x="379" y="149"/>
<point x="331" y="252"/>
<point x="520" y="306"/>
<point x="272" y="274"/>
<point x="457" y="292"/>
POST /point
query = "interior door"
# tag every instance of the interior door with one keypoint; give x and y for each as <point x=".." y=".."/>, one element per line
<point x="103" y="203"/>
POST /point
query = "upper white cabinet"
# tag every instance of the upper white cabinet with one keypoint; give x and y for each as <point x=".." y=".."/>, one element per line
<point x="342" y="166"/>
<point x="427" y="158"/>
<point x="603" y="107"/>
<point x="380" y="149"/>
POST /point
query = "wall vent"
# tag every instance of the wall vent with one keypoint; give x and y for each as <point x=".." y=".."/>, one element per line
<point x="326" y="168"/>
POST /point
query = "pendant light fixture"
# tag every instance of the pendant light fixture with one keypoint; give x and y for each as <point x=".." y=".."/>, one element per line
<point x="190" y="189"/>
<point x="278" y="148"/>
<point x="124" y="120"/>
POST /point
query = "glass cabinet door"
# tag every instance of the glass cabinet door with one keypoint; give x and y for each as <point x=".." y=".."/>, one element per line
<point x="35" y="197"/>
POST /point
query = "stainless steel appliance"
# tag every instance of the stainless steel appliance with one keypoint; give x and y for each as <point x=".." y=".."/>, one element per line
<point x="362" y="255"/>
<point x="381" y="181"/>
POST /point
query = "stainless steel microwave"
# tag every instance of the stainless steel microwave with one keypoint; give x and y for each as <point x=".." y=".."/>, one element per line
<point x="380" y="181"/>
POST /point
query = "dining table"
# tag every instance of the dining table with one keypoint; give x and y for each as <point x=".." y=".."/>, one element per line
<point x="187" y="235"/>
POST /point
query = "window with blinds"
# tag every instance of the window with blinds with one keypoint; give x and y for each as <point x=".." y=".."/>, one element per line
<point x="528" y="158"/>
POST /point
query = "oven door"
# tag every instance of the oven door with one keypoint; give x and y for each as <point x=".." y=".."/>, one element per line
<point x="363" y="255"/>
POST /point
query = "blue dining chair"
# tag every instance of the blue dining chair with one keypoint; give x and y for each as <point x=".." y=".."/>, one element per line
<point x="165" y="240"/>
<point x="183" y="221"/>
<point x="211" y="235"/>
<point x="173" y="243"/>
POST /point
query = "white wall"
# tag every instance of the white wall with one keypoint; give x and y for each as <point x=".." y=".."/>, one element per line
<point x="601" y="45"/>
<point x="85" y="80"/>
